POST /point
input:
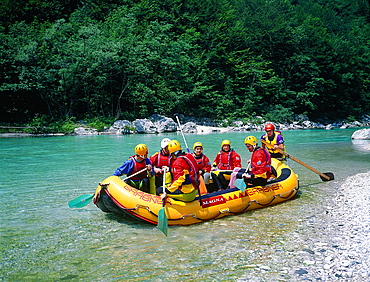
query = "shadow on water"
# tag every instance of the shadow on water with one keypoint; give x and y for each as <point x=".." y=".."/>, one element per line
<point x="129" y="220"/>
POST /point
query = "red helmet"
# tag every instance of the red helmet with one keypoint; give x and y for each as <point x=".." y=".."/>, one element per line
<point x="269" y="126"/>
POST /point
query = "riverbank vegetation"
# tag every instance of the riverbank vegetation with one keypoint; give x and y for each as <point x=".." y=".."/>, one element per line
<point x="116" y="59"/>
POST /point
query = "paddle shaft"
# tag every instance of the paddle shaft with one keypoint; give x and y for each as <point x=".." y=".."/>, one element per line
<point x="136" y="173"/>
<point x="298" y="161"/>
<point x="162" y="218"/>
<point x="187" y="148"/>
<point x="182" y="133"/>
<point x="164" y="186"/>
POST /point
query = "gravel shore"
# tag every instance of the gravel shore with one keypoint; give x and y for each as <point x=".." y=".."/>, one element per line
<point x="332" y="243"/>
<point x="345" y="253"/>
<point x="351" y="258"/>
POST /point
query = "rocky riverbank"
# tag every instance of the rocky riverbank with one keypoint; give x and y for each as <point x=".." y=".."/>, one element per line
<point x="158" y="124"/>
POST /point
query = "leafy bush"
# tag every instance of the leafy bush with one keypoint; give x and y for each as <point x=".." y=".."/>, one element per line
<point x="100" y="123"/>
<point x="278" y="113"/>
<point x="40" y="124"/>
<point x="68" y="126"/>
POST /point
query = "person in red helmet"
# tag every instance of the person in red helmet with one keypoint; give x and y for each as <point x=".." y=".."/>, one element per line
<point x="275" y="141"/>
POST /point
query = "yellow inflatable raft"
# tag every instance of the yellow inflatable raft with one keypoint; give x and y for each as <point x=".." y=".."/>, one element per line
<point x="114" y="195"/>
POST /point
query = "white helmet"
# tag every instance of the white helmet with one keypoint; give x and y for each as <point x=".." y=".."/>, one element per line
<point x="164" y="142"/>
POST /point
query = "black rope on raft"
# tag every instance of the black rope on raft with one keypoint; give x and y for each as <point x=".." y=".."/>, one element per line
<point x="249" y="204"/>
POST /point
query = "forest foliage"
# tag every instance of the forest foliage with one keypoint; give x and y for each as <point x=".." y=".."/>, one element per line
<point x="211" y="58"/>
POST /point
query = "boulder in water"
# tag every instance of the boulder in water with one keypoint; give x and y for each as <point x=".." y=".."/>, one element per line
<point x="362" y="134"/>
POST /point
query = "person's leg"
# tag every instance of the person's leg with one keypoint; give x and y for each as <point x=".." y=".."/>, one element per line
<point x="216" y="181"/>
<point x="135" y="184"/>
<point x="223" y="181"/>
<point x="206" y="177"/>
<point x="158" y="181"/>
<point x="259" y="181"/>
<point x="145" y="185"/>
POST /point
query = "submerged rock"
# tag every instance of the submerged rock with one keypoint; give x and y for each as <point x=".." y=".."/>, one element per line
<point x="362" y="134"/>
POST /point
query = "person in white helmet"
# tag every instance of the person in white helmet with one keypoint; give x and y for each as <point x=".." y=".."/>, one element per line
<point x="161" y="160"/>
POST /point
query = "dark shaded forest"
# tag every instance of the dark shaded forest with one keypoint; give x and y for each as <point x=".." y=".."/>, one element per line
<point x="211" y="58"/>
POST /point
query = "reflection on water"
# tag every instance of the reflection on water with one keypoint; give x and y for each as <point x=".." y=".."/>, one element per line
<point x="44" y="240"/>
<point x="361" y="145"/>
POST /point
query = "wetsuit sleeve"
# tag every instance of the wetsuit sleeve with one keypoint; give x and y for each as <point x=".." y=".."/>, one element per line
<point x="280" y="139"/>
<point x="237" y="160"/>
<point x="259" y="164"/>
<point x="207" y="166"/>
<point x="178" y="182"/>
<point x="179" y="175"/>
<point x="216" y="160"/>
<point x="148" y="162"/>
<point x="125" y="168"/>
<point x="154" y="159"/>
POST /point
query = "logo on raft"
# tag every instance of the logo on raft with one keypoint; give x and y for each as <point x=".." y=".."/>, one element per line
<point x="214" y="201"/>
<point x="150" y="198"/>
<point x="218" y="200"/>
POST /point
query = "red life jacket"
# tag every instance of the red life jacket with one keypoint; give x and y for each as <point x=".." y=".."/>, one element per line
<point x="137" y="166"/>
<point x="163" y="160"/>
<point x="224" y="160"/>
<point x="256" y="168"/>
<point x="201" y="161"/>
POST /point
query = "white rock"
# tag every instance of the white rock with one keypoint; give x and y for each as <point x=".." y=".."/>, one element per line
<point x="362" y="134"/>
<point x="328" y="259"/>
<point x="85" y="131"/>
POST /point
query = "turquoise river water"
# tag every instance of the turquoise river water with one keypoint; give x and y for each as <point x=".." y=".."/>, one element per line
<point x="42" y="239"/>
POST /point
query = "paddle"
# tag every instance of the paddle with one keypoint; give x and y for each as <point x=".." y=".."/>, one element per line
<point x="327" y="176"/>
<point x="162" y="218"/>
<point x="182" y="133"/>
<point x="85" y="199"/>
<point x="81" y="201"/>
<point x="187" y="148"/>
<point x="239" y="183"/>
